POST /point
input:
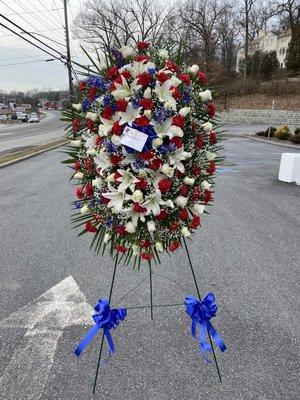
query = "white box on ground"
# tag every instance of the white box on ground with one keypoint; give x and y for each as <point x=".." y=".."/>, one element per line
<point x="289" y="170"/>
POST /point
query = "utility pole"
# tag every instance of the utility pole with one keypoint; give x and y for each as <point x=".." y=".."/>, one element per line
<point x="69" y="65"/>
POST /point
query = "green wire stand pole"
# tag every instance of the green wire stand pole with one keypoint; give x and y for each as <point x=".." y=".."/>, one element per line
<point x="198" y="292"/>
<point x="151" y="291"/>
<point x="102" y="339"/>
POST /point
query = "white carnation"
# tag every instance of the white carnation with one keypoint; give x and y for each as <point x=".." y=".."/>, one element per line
<point x="205" y="95"/>
<point x="171" y="105"/>
<point x="91" y="115"/>
<point x="97" y="183"/>
<point x="167" y="170"/>
<point x="147" y="113"/>
<point x="77" y="107"/>
<point x="151" y="226"/>
<point x="91" y="152"/>
<point x="175" y="81"/>
<point x="181" y="201"/>
<point x="85" y="209"/>
<point x="147" y="93"/>
<point x="159" y="247"/>
<point x="207" y="126"/>
<point x="163" y="53"/>
<point x="205" y="185"/>
<point x="135" y="249"/>
<point x="78" y="175"/>
<point x="176" y="130"/>
<point x="185" y="232"/>
<point x="130" y="227"/>
<point x="126" y="51"/>
<point x="210" y="156"/>
<point x="193" y="69"/>
<point x="76" y="143"/>
<point x="198" y="208"/>
<point x="189" y="181"/>
<point x="184" y="111"/>
<point x="115" y="139"/>
<point x="157" y="142"/>
<point x="137" y="196"/>
<point x="106" y="237"/>
<point x="169" y="203"/>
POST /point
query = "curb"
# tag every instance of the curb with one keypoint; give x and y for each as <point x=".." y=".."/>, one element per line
<point x="290" y="146"/>
<point x="37" y="152"/>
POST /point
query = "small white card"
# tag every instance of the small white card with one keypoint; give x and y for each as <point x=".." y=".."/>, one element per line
<point x="133" y="138"/>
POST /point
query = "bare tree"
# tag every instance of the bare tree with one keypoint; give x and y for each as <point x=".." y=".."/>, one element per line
<point x="288" y="12"/>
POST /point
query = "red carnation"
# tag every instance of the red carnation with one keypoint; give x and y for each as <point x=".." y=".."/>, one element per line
<point x="90" y="124"/>
<point x="162" y="215"/>
<point x="107" y="112"/>
<point x="207" y="196"/>
<point x="145" y="243"/>
<point x="138" y="208"/>
<point x="141" y="58"/>
<point x="202" y="77"/>
<point x="211" y="109"/>
<point x="155" y="163"/>
<point x="75" y="124"/>
<point x="199" y="142"/>
<point x="116" y="159"/>
<point x="213" y="137"/>
<point x="89" y="189"/>
<point x="143" y="45"/>
<point x="142" y="121"/>
<point x="171" y="66"/>
<point x="164" y="185"/>
<point x="174" y="245"/>
<point x="196" y="193"/>
<point x="117" y="175"/>
<point x="146" y="155"/>
<point x="79" y="193"/>
<point x="162" y="77"/>
<point x="112" y="73"/>
<point x="99" y="140"/>
<point x="183" y="190"/>
<point x="146" y="256"/>
<point x="178" y="174"/>
<point x="82" y="86"/>
<point x="196" y="170"/>
<point x="90" y="227"/>
<point x="120" y="248"/>
<point x="178" y="120"/>
<point x="89" y="165"/>
<point x="116" y="128"/>
<point x="173" y="226"/>
<point x="176" y="93"/>
<point x="183" y="214"/>
<point x="195" y="222"/>
<point x="185" y="78"/>
<point x="92" y="93"/>
<point x="126" y="74"/>
<point x="120" y="229"/>
<point x="142" y="184"/>
<point x="98" y="217"/>
<point x="144" y="79"/>
<point x="147" y="104"/>
<point x="122" y="104"/>
<point x="211" y="169"/>
<point x="177" y="141"/>
<point x="77" y="165"/>
<point x="105" y="200"/>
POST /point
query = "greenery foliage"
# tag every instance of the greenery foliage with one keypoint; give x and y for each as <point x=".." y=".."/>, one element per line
<point x="260" y="62"/>
<point x="293" y="52"/>
<point x="283" y="132"/>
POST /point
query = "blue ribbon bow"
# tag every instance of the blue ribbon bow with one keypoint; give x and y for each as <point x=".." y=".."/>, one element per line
<point x="105" y="319"/>
<point x="201" y="312"/>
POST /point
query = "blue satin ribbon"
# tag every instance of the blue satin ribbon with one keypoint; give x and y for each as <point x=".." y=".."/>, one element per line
<point x="105" y="319"/>
<point x="201" y="312"/>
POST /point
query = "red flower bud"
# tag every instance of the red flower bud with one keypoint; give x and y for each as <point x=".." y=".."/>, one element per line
<point x="195" y="222"/>
<point x="122" y="104"/>
<point x="112" y="73"/>
<point x="178" y="120"/>
<point x="89" y="189"/>
<point x="213" y="137"/>
<point x="143" y="45"/>
<point x="155" y="163"/>
<point x="183" y="214"/>
<point x="164" y="185"/>
<point x="199" y="142"/>
<point x="202" y="77"/>
<point x="174" y="245"/>
<point x="90" y="227"/>
<point x="116" y="159"/>
<point x="79" y="193"/>
<point x="147" y="104"/>
<point x="162" y="215"/>
<point x="207" y="196"/>
<point x="142" y="184"/>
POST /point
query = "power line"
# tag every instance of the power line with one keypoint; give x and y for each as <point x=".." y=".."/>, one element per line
<point x="33" y="12"/>
<point x="17" y="51"/>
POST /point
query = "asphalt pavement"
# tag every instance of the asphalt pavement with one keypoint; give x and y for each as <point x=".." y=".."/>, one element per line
<point x="247" y="253"/>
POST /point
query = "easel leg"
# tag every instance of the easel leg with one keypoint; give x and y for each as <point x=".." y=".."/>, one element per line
<point x="198" y="293"/>
<point x="151" y="291"/>
<point x="102" y="339"/>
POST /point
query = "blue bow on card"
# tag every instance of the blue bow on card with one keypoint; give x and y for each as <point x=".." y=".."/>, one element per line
<point x="105" y="319"/>
<point x="201" y="312"/>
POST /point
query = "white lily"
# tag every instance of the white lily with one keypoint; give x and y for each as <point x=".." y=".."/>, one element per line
<point x="130" y="114"/>
<point x="89" y="141"/>
<point x="152" y="203"/>
<point x="130" y="213"/>
<point x="127" y="180"/>
<point x="116" y="198"/>
<point x="124" y="90"/>
<point x="167" y="129"/>
<point x="102" y="161"/>
<point x="137" y="67"/>
<point x="105" y="127"/>
<point x="163" y="91"/>
<point x="176" y="159"/>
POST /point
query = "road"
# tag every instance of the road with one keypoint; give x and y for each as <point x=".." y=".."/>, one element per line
<point x="247" y="252"/>
<point x="24" y="135"/>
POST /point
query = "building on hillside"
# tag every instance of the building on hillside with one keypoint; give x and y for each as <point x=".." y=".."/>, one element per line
<point x="266" y="42"/>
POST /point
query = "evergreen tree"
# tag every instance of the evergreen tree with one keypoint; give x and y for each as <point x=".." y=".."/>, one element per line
<point x="292" y="61"/>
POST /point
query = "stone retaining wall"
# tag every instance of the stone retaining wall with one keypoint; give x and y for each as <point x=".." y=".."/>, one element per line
<point x="273" y="117"/>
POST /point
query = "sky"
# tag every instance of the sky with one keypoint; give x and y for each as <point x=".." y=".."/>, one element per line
<point x="22" y="66"/>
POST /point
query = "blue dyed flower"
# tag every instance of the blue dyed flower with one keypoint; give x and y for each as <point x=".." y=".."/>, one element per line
<point x="85" y="104"/>
<point x="151" y="71"/>
<point x="149" y="131"/>
<point x="109" y="146"/>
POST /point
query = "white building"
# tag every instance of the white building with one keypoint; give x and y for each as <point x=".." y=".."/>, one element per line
<point x="268" y="41"/>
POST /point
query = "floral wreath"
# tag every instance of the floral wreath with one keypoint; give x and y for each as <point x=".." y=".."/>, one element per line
<point x="144" y="153"/>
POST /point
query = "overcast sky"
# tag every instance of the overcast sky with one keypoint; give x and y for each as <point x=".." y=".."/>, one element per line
<point x="23" y="67"/>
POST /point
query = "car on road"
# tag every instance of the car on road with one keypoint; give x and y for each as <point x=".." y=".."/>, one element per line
<point x="14" y="116"/>
<point x="22" y="117"/>
<point x="33" y="117"/>
<point x="3" y="117"/>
